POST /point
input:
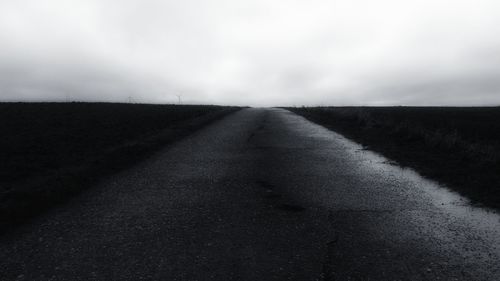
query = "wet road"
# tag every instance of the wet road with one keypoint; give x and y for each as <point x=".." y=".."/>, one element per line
<point x="260" y="195"/>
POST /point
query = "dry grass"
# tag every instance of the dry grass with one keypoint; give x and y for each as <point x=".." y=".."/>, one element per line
<point x="51" y="151"/>
<point x="459" y="146"/>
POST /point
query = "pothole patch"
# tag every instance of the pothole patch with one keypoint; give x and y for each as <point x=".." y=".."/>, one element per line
<point x="291" y="207"/>
<point x="265" y="184"/>
<point x="272" y="195"/>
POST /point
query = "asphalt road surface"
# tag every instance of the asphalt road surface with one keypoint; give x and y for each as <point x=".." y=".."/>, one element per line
<point x="260" y="195"/>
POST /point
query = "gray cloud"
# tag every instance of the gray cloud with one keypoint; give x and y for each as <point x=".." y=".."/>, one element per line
<point x="252" y="52"/>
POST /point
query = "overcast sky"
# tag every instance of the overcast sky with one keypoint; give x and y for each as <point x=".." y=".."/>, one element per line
<point x="252" y="52"/>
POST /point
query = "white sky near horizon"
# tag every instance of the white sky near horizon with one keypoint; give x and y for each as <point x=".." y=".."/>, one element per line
<point x="252" y="52"/>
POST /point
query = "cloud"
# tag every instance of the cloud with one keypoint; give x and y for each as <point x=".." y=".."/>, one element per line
<point x="252" y="52"/>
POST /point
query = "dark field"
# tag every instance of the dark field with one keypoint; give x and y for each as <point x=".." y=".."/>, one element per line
<point x="459" y="147"/>
<point x="49" y="151"/>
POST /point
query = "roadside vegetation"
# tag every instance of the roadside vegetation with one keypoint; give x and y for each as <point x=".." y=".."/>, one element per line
<point x="457" y="146"/>
<point x="51" y="151"/>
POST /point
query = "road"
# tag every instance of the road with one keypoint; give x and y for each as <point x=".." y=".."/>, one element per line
<point x="260" y="195"/>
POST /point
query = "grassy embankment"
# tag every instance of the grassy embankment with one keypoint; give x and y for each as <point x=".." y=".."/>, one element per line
<point x="457" y="146"/>
<point x="50" y="151"/>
